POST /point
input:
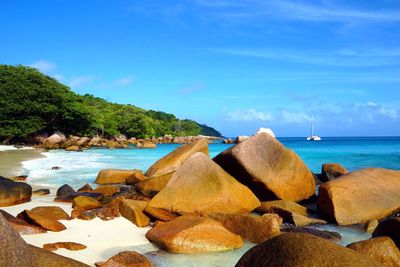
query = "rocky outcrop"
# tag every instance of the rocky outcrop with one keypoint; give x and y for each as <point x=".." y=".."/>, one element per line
<point x="360" y="196"/>
<point x="255" y="229"/>
<point x="295" y="249"/>
<point x="269" y="169"/>
<point x="389" y="227"/>
<point x="331" y="171"/>
<point x="126" y="259"/>
<point x="12" y="193"/>
<point x="380" y="249"/>
<point x="191" y="234"/>
<point x="173" y="160"/>
<point x="133" y="211"/>
<point x="201" y="186"/>
<point x="113" y="176"/>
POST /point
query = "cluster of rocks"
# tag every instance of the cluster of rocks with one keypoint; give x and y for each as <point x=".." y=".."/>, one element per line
<point x="77" y="143"/>
<point x="257" y="190"/>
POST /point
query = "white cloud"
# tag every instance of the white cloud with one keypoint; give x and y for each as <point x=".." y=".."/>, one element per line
<point x="124" y="81"/>
<point x="249" y="115"/>
<point x="295" y="117"/>
<point x="388" y="112"/>
<point x="44" y="66"/>
<point x="81" y="80"/>
<point x="190" y="89"/>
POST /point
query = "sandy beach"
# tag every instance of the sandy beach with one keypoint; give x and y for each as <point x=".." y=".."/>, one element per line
<point x="11" y="158"/>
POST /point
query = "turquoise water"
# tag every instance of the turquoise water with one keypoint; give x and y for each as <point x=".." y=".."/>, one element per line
<point x="78" y="168"/>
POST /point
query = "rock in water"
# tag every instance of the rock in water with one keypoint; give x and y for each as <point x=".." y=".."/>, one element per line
<point x="127" y="259"/>
<point x="382" y="249"/>
<point x="331" y="171"/>
<point x="302" y="250"/>
<point x="190" y="234"/>
<point x="360" y="196"/>
<point x="113" y="176"/>
<point x="389" y="227"/>
<point x="201" y="186"/>
<point x="173" y="160"/>
<point x="269" y="169"/>
<point x="12" y="193"/>
<point x="256" y="229"/>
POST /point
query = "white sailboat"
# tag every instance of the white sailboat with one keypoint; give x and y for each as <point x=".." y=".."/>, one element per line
<point x="313" y="137"/>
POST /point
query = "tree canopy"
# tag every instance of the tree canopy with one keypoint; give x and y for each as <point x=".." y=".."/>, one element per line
<point x="32" y="103"/>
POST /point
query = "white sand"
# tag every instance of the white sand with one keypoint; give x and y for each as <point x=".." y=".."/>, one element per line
<point x="8" y="148"/>
<point x="102" y="238"/>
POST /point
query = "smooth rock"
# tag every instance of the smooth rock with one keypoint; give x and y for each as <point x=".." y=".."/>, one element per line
<point x="381" y="249"/>
<point x="255" y="229"/>
<point x="127" y="259"/>
<point x="191" y="234"/>
<point x="13" y="193"/>
<point x="85" y="188"/>
<point x="201" y="186"/>
<point x="268" y="168"/>
<point x="69" y="198"/>
<point x="21" y="226"/>
<point x="153" y="185"/>
<point x="370" y="226"/>
<point x="113" y="176"/>
<point x="330" y="235"/>
<point x="331" y="171"/>
<point x="86" y="203"/>
<point x="37" y="218"/>
<point x="302" y="250"/>
<point x="389" y="227"/>
<point x="73" y="148"/>
<point x="67" y="245"/>
<point x="107" y="190"/>
<point x="135" y="177"/>
<point x="173" y="160"/>
<point x="277" y="206"/>
<point x="159" y="214"/>
<point x="65" y="190"/>
<point x="133" y="211"/>
<point x="52" y="212"/>
<point x="41" y="192"/>
<point x="360" y="196"/>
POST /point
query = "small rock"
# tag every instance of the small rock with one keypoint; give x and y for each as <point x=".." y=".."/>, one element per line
<point x="126" y="259"/>
<point x="150" y="187"/>
<point x="133" y="211"/>
<point x="41" y="192"/>
<point x="55" y="168"/>
<point x="85" y="188"/>
<point x="113" y="176"/>
<point x="107" y="190"/>
<point x="66" y="245"/>
<point x="64" y="191"/>
<point x="45" y="222"/>
<point x="331" y="171"/>
<point x="135" y="177"/>
<point x="159" y="214"/>
<point x="73" y="148"/>
<point x="370" y="226"/>
<point x="86" y="203"/>
<point x="389" y="227"/>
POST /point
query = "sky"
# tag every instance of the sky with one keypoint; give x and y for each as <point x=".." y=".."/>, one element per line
<point x="234" y="65"/>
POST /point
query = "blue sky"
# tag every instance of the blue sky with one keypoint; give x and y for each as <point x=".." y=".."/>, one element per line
<point x="234" y="65"/>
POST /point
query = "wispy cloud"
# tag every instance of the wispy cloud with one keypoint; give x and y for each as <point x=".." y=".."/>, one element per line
<point x="124" y="81"/>
<point x="248" y="115"/>
<point x="295" y="117"/>
<point x="80" y="81"/>
<point x="44" y="66"/>
<point x="190" y="89"/>
<point x="343" y="57"/>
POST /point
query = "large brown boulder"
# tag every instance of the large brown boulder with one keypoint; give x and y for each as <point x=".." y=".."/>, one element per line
<point x="21" y="226"/>
<point x="201" y="186"/>
<point x="360" y="196"/>
<point x="389" y="227"/>
<point x="53" y="212"/>
<point x="113" y="176"/>
<point x="133" y="211"/>
<point x="191" y="234"/>
<point x="331" y="171"/>
<point x="173" y="160"/>
<point x="382" y="249"/>
<point x="12" y="193"/>
<point x="268" y="168"/>
<point x="256" y="229"/>
<point x="127" y="259"/>
<point x="41" y="219"/>
<point x="297" y="249"/>
<point x="153" y="185"/>
<point x="15" y="252"/>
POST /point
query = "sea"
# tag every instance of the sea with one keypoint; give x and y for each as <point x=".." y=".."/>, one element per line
<point x="79" y="168"/>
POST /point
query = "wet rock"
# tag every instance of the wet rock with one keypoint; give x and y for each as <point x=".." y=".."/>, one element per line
<point x="381" y="249"/>
<point x="21" y="226"/>
<point x="330" y="235"/>
<point x="268" y="168"/>
<point x="360" y="196"/>
<point x="296" y="249"/>
<point x="67" y="245"/>
<point x="331" y="171"/>
<point x="190" y="234"/>
<point x="201" y="186"/>
<point x="389" y="227"/>
<point x="85" y="188"/>
<point x="153" y="185"/>
<point x="41" y="192"/>
<point x="113" y="176"/>
<point x="159" y="214"/>
<point x="127" y="259"/>
<point x="86" y="203"/>
<point x="255" y="229"/>
<point x="133" y="211"/>
<point x="173" y="160"/>
<point x="12" y="193"/>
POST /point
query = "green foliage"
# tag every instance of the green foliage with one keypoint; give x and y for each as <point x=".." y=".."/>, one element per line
<point x="32" y="103"/>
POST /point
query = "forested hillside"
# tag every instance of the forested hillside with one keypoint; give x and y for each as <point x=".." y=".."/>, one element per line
<point x="32" y="103"/>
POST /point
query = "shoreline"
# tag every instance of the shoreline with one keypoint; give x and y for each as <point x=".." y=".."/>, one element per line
<point x="11" y="160"/>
